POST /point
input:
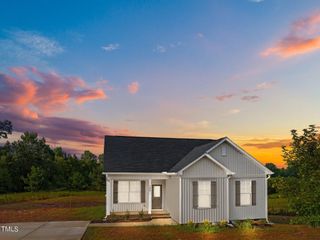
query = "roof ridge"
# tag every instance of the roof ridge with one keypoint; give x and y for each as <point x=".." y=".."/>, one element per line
<point x="175" y="138"/>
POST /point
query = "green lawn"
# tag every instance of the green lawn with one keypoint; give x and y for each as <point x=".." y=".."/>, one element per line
<point x="279" y="231"/>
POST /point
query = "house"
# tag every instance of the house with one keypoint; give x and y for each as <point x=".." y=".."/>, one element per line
<point x="191" y="179"/>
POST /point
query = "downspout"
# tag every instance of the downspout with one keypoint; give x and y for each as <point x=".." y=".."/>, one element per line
<point x="228" y="203"/>
<point x="266" y="192"/>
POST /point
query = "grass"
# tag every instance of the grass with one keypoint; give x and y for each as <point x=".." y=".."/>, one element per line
<point x="278" y="205"/>
<point x="281" y="231"/>
<point x="52" y="206"/>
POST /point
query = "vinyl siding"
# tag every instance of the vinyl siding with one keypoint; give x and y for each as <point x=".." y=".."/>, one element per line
<point x="172" y="197"/>
<point x="248" y="212"/>
<point x="237" y="162"/>
<point x="199" y="215"/>
<point x="204" y="169"/>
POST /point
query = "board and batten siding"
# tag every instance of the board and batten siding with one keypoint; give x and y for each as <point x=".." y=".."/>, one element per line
<point x="236" y="161"/>
<point x="204" y="169"/>
<point x="197" y="214"/>
<point x="172" y="197"/>
<point x="248" y="212"/>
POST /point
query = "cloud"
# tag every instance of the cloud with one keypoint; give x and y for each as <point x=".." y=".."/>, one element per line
<point x="164" y="48"/>
<point x="200" y="35"/>
<point x="160" y="49"/>
<point x="252" y="98"/>
<point x="111" y="47"/>
<point x="259" y="87"/>
<point x="302" y="38"/>
<point x="234" y="111"/>
<point x="71" y="132"/>
<point x="27" y="47"/>
<point x="224" y="97"/>
<point x="133" y="87"/>
<point x="33" y="91"/>
<point x="256" y="1"/>
<point x="266" y="145"/>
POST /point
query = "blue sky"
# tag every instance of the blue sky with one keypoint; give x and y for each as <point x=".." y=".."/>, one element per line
<point x="246" y="69"/>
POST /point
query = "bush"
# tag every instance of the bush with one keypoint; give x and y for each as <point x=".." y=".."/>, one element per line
<point x="141" y="214"/>
<point x="208" y="227"/>
<point x="313" y="221"/>
<point x="244" y="225"/>
<point x="127" y="215"/>
<point x="222" y="223"/>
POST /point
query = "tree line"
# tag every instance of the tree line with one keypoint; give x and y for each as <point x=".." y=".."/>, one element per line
<point x="30" y="164"/>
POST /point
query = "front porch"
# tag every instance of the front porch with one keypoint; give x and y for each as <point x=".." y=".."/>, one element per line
<point x="149" y="199"/>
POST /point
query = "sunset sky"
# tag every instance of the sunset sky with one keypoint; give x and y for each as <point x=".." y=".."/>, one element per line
<point x="74" y="71"/>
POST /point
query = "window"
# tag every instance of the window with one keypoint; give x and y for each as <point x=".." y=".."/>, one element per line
<point x="245" y="192"/>
<point x="223" y="150"/>
<point x="204" y="194"/>
<point x="129" y="191"/>
<point x="156" y="191"/>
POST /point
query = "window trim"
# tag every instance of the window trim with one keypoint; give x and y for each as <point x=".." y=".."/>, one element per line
<point x="205" y="194"/>
<point x="250" y="204"/>
<point x="130" y="191"/>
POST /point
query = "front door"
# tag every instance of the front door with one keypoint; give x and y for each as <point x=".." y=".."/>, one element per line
<point x="156" y="196"/>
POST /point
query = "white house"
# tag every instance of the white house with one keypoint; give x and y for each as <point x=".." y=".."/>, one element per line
<point x="191" y="179"/>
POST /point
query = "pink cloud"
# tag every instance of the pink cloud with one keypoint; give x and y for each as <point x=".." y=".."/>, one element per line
<point x="133" y="87"/>
<point x="302" y="38"/>
<point x="224" y="97"/>
<point x="43" y="92"/>
<point x="73" y="133"/>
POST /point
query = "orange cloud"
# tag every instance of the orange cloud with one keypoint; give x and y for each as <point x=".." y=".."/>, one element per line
<point x="133" y="87"/>
<point x="303" y="38"/>
<point x="293" y="46"/>
<point x="267" y="145"/>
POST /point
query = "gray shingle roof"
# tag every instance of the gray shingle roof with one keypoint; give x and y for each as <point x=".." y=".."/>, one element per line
<point x="149" y="154"/>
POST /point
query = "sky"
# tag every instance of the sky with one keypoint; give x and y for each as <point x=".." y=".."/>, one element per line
<point x="74" y="71"/>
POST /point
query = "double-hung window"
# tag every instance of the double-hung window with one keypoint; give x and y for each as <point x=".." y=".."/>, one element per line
<point x="245" y="192"/>
<point x="129" y="191"/>
<point x="204" y="194"/>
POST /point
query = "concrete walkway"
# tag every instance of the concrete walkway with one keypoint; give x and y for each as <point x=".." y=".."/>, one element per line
<point x="153" y="222"/>
<point x="69" y="230"/>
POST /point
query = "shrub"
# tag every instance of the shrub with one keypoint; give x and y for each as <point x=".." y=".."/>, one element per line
<point x="313" y="221"/>
<point x="127" y="215"/>
<point x="208" y="227"/>
<point x="222" y="223"/>
<point x="244" y="225"/>
<point x="141" y="214"/>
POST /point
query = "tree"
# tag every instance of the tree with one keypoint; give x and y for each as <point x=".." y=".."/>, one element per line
<point x="303" y="159"/>
<point x="5" y="128"/>
<point x="35" y="180"/>
<point x="27" y="152"/>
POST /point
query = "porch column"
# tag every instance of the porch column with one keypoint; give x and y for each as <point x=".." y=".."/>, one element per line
<point x="149" y="195"/>
<point x="108" y="196"/>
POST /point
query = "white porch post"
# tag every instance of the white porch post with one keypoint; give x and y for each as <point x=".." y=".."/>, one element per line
<point x="149" y="195"/>
<point x="108" y="196"/>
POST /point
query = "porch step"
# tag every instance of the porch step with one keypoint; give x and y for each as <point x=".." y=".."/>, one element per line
<point x="160" y="215"/>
